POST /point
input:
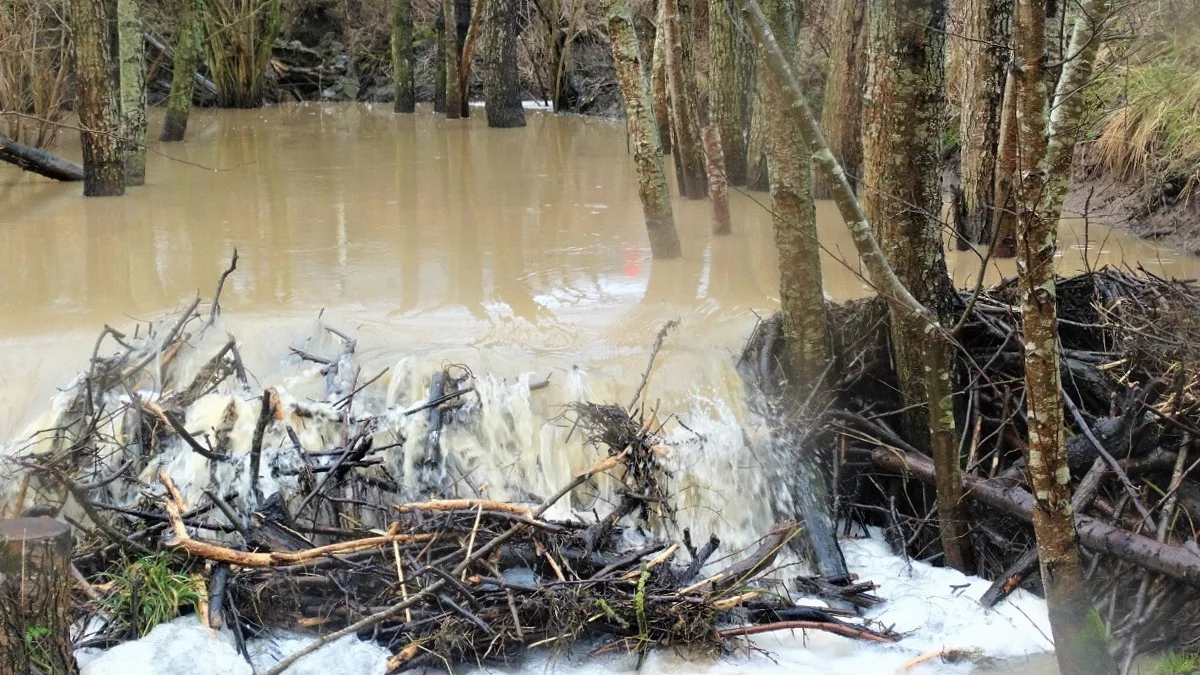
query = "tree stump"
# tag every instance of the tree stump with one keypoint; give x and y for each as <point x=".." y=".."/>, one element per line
<point x="35" y="597"/>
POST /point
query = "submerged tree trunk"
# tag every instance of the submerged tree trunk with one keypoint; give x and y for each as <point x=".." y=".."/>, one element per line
<point x="188" y="47"/>
<point x="451" y="58"/>
<point x="501" y="84"/>
<point x="132" y="52"/>
<point x="96" y="99"/>
<point x="984" y="68"/>
<point x="480" y="14"/>
<point x="684" y="122"/>
<point x="1079" y="636"/>
<point x="38" y="161"/>
<point x="439" y="68"/>
<point x="402" y="56"/>
<point x="462" y="17"/>
<point x="718" y="187"/>
<point x="795" y="220"/>
<point x="643" y="133"/>
<point x="727" y="87"/>
<point x="841" y="115"/>
<point x="901" y="167"/>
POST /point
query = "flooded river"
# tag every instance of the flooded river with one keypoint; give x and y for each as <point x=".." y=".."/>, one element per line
<point x="508" y="250"/>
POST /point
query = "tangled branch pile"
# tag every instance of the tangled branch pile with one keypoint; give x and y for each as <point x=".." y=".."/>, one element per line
<point x="289" y="513"/>
<point x="1131" y="391"/>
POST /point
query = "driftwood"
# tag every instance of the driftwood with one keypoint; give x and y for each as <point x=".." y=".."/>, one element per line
<point x="39" y="161"/>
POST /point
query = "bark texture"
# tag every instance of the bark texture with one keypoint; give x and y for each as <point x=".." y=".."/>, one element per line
<point x="402" y="56"/>
<point x="501" y="84"/>
<point x="658" y="84"/>
<point x="685" y="125"/>
<point x="841" y="115"/>
<point x="96" y="99"/>
<point x="901" y="166"/>
<point x="794" y="218"/>
<point x="718" y="190"/>
<point x="727" y="50"/>
<point x="454" y="101"/>
<point x="1079" y="638"/>
<point x="132" y="51"/>
<point x="1004" y="195"/>
<point x="188" y="47"/>
<point x="984" y="71"/>
<point x="643" y="133"/>
<point x="480" y="13"/>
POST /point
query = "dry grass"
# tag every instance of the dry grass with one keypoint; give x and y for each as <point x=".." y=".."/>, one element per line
<point x="34" y="61"/>
<point x="239" y="35"/>
<point x="1152" y="134"/>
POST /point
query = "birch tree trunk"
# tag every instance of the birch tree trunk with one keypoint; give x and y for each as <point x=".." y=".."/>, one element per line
<point x="96" y="99"/>
<point x="841" y="115"/>
<point x="1079" y="636"/>
<point x="188" y="47"/>
<point x="132" y="52"/>
<point x="984" y="71"/>
<point x="501" y="85"/>
<point x="727" y="87"/>
<point x="901" y="167"/>
<point x="402" y="56"/>
<point x="684" y="121"/>
<point x="643" y="133"/>
<point x="451" y="57"/>
<point x="794" y="218"/>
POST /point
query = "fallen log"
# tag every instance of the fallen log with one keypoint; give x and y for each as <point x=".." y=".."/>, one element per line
<point x="39" y="161"/>
<point x="1171" y="561"/>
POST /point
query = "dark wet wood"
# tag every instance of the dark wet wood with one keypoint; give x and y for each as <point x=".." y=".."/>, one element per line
<point x="39" y="161"/>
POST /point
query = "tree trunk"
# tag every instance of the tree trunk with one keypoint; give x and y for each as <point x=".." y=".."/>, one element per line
<point x="1004" y="195"/>
<point x="727" y="87"/>
<point x="402" y="56"/>
<point x="643" y="133"/>
<point x="683" y="105"/>
<point x="718" y="192"/>
<point x="501" y="84"/>
<point x="132" y="51"/>
<point x="795" y="220"/>
<point x="439" y="69"/>
<point x="38" y="161"/>
<point x="901" y="167"/>
<point x="462" y="15"/>
<point x="35" y="597"/>
<point x="658" y="85"/>
<point x="757" y="176"/>
<point x="451" y="58"/>
<point x="1079" y="637"/>
<point x="984" y="71"/>
<point x="183" y="76"/>
<point x="841" y="116"/>
<point x="480" y="13"/>
<point x="1066" y="116"/>
<point x="96" y="99"/>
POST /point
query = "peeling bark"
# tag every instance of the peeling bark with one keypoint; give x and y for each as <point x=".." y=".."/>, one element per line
<point x="1078" y="633"/>
<point x="643" y="133"/>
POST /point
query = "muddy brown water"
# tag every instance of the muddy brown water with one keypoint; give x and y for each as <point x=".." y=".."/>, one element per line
<point x="423" y="235"/>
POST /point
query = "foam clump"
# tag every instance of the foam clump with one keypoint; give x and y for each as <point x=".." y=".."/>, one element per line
<point x="184" y="647"/>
